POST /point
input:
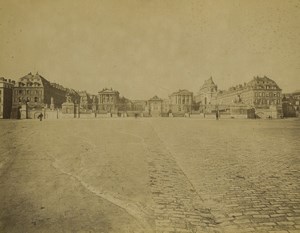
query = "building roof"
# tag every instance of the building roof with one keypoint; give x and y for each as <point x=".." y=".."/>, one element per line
<point x="182" y="92"/>
<point x="208" y="83"/>
<point x="33" y="80"/>
<point x="155" y="98"/>
<point x="108" y="91"/>
<point x="7" y="81"/>
<point x="260" y="83"/>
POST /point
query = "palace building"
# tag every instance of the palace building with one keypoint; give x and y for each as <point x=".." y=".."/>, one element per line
<point x="6" y="90"/>
<point x="207" y="93"/>
<point x="259" y="93"/>
<point x="108" y="100"/>
<point x="36" y="92"/>
<point x="181" y="101"/>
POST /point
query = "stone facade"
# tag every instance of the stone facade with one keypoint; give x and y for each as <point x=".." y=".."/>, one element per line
<point x="155" y="106"/>
<point x="86" y="101"/>
<point x="181" y="101"/>
<point x="207" y="93"/>
<point x="36" y="92"/>
<point x="260" y="93"/>
<point x="291" y="104"/>
<point x="6" y="92"/>
<point x="108" y="100"/>
<point x="139" y="105"/>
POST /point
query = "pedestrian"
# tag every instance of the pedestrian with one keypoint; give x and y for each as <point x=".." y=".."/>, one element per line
<point x="217" y="115"/>
<point x="41" y="116"/>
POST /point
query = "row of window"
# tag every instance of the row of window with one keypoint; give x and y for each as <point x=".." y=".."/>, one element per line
<point x="31" y="84"/>
<point x="27" y="99"/>
<point x="268" y="94"/>
<point x="271" y="87"/>
<point x="266" y="101"/>
<point x="28" y="92"/>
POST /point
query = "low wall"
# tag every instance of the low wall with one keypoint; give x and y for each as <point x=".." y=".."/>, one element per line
<point x="87" y="115"/>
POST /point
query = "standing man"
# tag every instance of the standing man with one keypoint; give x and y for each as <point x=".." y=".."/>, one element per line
<point x="217" y="115"/>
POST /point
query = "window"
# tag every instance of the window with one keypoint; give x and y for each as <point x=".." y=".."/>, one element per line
<point x="36" y="99"/>
<point x="263" y="94"/>
<point x="267" y="94"/>
<point x="20" y="92"/>
<point x="274" y="94"/>
<point x="28" y="92"/>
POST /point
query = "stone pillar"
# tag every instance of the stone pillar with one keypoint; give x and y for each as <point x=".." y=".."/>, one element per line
<point x="23" y="111"/>
<point x="52" y="104"/>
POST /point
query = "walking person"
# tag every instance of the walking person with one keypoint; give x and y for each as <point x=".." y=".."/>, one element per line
<point x="40" y="116"/>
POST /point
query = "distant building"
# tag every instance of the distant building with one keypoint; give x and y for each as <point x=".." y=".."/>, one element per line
<point x="291" y="104"/>
<point x="125" y="104"/>
<point x="36" y="92"/>
<point x="6" y="95"/>
<point x="166" y="107"/>
<point x="181" y="101"/>
<point x="108" y="100"/>
<point x="139" y="105"/>
<point x="260" y="93"/>
<point x="155" y="106"/>
<point x="85" y="101"/>
<point x="207" y="94"/>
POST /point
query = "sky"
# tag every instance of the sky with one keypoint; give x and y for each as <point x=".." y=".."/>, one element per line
<point x="144" y="48"/>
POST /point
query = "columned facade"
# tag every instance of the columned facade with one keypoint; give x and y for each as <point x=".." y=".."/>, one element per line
<point x="181" y="101"/>
<point x="108" y="100"/>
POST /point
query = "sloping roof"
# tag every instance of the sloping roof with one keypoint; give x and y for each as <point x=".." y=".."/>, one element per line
<point x="108" y="91"/>
<point x="209" y="82"/>
<point x="37" y="78"/>
<point x="261" y="81"/>
<point x="182" y="92"/>
<point x="155" y="98"/>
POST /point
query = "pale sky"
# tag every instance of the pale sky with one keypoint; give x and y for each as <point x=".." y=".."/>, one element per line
<point x="144" y="48"/>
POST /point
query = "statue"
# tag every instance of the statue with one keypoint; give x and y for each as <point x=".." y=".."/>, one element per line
<point x="68" y="98"/>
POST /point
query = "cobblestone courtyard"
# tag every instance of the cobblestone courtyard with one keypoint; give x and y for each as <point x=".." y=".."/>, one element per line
<point x="150" y="175"/>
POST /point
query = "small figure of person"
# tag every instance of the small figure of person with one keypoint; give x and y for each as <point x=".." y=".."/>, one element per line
<point x="40" y="116"/>
<point x="217" y="115"/>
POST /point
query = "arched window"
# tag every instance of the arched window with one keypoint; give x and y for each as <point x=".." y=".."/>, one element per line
<point x="36" y="99"/>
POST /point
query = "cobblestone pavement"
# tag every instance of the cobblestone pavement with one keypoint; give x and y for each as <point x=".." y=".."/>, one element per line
<point x="150" y="175"/>
<point x="178" y="207"/>
<point x="250" y="180"/>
